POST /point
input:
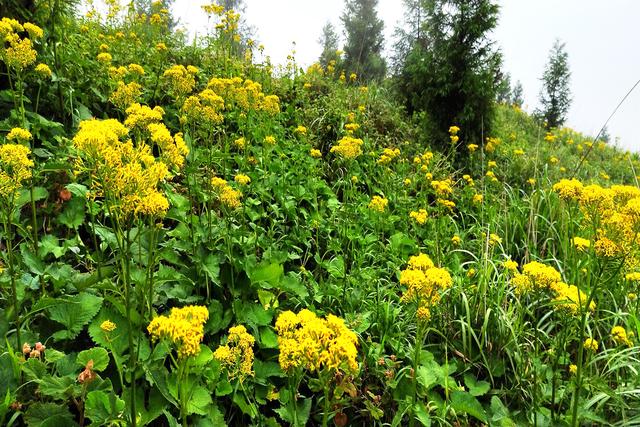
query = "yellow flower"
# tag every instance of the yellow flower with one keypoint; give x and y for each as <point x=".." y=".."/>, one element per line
<point x="378" y="204"/>
<point x="573" y="369"/>
<point x="453" y="130"/>
<point x="424" y="284"/>
<point x="184" y="327"/>
<point x="15" y="167"/>
<point x="591" y="344"/>
<point x="104" y="57"/>
<point x="518" y="152"/>
<point x="237" y="355"/>
<point x="419" y="216"/>
<point x="619" y="335"/>
<point x="19" y="135"/>
<point x="510" y="265"/>
<point x="43" y="71"/>
<point x="478" y="198"/>
<point x="34" y="31"/>
<point x="242" y="179"/>
<point x="456" y="240"/>
<point x="315" y="153"/>
<point x="581" y="244"/>
<point x="309" y="342"/>
<point x="406" y="181"/>
<point x="271" y="140"/>
<point x="472" y="147"/>
<point x="348" y="147"/>
<point x="108" y="326"/>
<point x="240" y="143"/>
<point x="125" y="94"/>
<point x="301" y="130"/>
<point x="179" y="80"/>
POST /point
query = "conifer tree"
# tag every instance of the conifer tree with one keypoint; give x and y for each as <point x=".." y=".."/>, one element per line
<point x="555" y="96"/>
<point x="453" y="73"/>
<point x="364" y="39"/>
<point x="329" y="42"/>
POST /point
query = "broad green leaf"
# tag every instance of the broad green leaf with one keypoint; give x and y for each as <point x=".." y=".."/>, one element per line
<point x="99" y="355"/>
<point x="74" y="313"/>
<point x="73" y="214"/>
<point x="476" y="388"/>
<point x="266" y="273"/>
<point x="464" y="403"/>
<point x="199" y="401"/>
<point x="38" y="413"/>
<point x="102" y="408"/>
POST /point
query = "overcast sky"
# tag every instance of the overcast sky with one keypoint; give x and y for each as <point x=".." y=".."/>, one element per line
<point x="602" y="38"/>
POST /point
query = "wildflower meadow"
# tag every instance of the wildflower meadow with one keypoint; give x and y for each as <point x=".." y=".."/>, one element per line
<point x="194" y="236"/>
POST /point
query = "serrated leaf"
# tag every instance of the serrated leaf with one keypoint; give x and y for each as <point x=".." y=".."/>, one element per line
<point x="74" y="212"/>
<point x="74" y="313"/>
<point x="422" y="414"/>
<point x="40" y="412"/>
<point x="99" y="355"/>
<point x="102" y="408"/>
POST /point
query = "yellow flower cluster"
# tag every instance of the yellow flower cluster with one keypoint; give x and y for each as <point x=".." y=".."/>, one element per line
<point x="19" y="135"/>
<point x="15" y="167"/>
<point x="245" y="95"/>
<point x="227" y="196"/>
<point x="348" y="147"/>
<point x="125" y="175"/>
<point x="453" y="134"/>
<point x="388" y="155"/>
<point x="419" y="216"/>
<point x="591" y="344"/>
<point x="442" y="188"/>
<point x="141" y="116"/>
<point x="620" y="336"/>
<point x="180" y="80"/>
<point x="17" y="52"/>
<point x="43" y="71"/>
<point x="491" y="144"/>
<point x="315" y="153"/>
<point x="237" y="354"/>
<point x="424" y="283"/>
<point x="536" y="276"/>
<point x="378" y="204"/>
<point x="108" y="326"/>
<point x="125" y="94"/>
<point x="242" y="179"/>
<point x="310" y="342"/>
<point x="184" y="327"/>
<point x="581" y="244"/>
<point x="613" y="212"/>
<point x="204" y="108"/>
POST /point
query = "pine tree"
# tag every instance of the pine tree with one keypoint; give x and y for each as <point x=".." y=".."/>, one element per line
<point x="408" y="34"/>
<point x="364" y="44"/>
<point x="517" y="95"/>
<point x="329" y="42"/>
<point x="452" y="75"/>
<point x="555" y="95"/>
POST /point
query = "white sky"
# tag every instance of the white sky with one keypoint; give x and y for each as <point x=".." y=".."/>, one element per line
<point x="602" y="38"/>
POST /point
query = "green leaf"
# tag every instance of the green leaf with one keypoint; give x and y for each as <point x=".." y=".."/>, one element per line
<point x="199" y="400"/>
<point x="252" y="314"/>
<point x="58" y="387"/>
<point x="268" y="337"/>
<point x="302" y="409"/>
<point x="74" y="313"/>
<point x="38" y="413"/>
<point x="102" y="408"/>
<point x="211" y="267"/>
<point x="73" y="214"/>
<point x="224" y="388"/>
<point x="24" y="196"/>
<point x="31" y="260"/>
<point x="266" y="273"/>
<point x="476" y="388"/>
<point x="99" y="355"/>
<point x="427" y="377"/>
<point x="464" y="403"/>
<point x="336" y="268"/>
<point x="422" y="414"/>
<point x="292" y="285"/>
